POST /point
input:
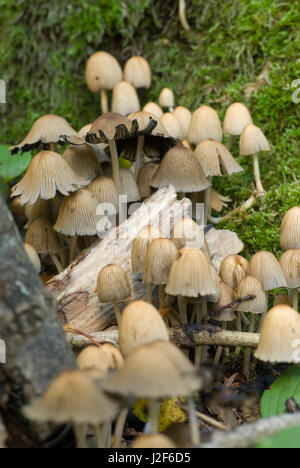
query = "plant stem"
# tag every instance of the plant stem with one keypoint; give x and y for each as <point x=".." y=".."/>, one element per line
<point x="139" y="158"/>
<point x="230" y="142"/>
<point x="154" y="409"/>
<point x="57" y="263"/>
<point x="104" y="101"/>
<point x="80" y="435"/>
<point x="239" y="329"/>
<point x="193" y="423"/>
<point x="182" y="17"/>
<point x="258" y="183"/>
<point x="120" y="428"/>
<point x="100" y="434"/>
<point x="117" y="312"/>
<point x="115" y="164"/>
<point x="73" y="248"/>
<point x="246" y="368"/>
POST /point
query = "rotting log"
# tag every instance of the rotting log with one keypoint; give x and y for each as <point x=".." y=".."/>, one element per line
<point x="74" y="288"/>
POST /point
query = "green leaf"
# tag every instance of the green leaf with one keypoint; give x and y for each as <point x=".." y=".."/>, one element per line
<point x="124" y="163"/>
<point x="290" y="438"/>
<point x="12" y="166"/>
<point x="287" y="386"/>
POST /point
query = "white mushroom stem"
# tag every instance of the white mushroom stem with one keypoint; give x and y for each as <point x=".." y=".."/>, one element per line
<point x="139" y="158"/>
<point x="182" y="15"/>
<point x="153" y="409"/>
<point x="162" y="296"/>
<point x="57" y="263"/>
<point x="120" y="428"/>
<point x="73" y="247"/>
<point x="201" y="351"/>
<point x="263" y="316"/>
<point x="258" y="183"/>
<point x="239" y="329"/>
<point x="115" y="163"/>
<point x="246" y="368"/>
<point x="207" y="202"/>
<point x="182" y="305"/>
<point x="118" y="312"/>
<point x="104" y="101"/>
<point x="220" y="348"/>
<point x="230" y="142"/>
<point x="295" y="298"/>
<point x="100" y="433"/>
<point x="149" y="292"/>
<point x="80" y="435"/>
<point x="193" y="423"/>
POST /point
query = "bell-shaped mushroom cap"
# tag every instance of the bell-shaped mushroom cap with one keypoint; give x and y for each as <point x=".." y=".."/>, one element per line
<point x="265" y="266"/>
<point x="176" y="356"/>
<point x="212" y="155"/>
<point x="290" y="264"/>
<point x="252" y="286"/>
<point x="94" y="358"/>
<point x="172" y="125"/>
<point x="102" y="72"/>
<point x="145" y="175"/>
<point x="140" y="247"/>
<point x="218" y="201"/>
<point x="137" y="71"/>
<point x="205" y="124"/>
<point x="109" y="126"/>
<point x="113" y="284"/>
<point x="105" y="190"/>
<point x="184" y="116"/>
<point x="140" y="324"/>
<point x="166" y="98"/>
<point x="33" y="257"/>
<point x="233" y="270"/>
<point x="41" y="209"/>
<point x="280" y="336"/>
<point x="114" y="354"/>
<point x="84" y="130"/>
<point x="290" y="229"/>
<point x="180" y="168"/>
<point x="46" y="130"/>
<point x="73" y="398"/>
<point x="192" y="275"/>
<point x="43" y="238"/>
<point x="237" y="117"/>
<point x="149" y="372"/>
<point x="187" y="233"/>
<point x="153" y="441"/>
<point x="47" y="174"/>
<point x="154" y="109"/>
<point x="77" y="215"/>
<point x="128" y="186"/>
<point x="160" y="255"/>
<point x="227" y="296"/>
<point x="83" y="160"/>
<point x="147" y="124"/>
<point x="282" y="299"/>
<point x="125" y="99"/>
<point x="253" y="141"/>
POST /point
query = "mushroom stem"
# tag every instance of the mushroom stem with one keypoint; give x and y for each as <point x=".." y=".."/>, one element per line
<point x="182" y="15"/>
<point x="263" y="316"/>
<point x="104" y="101"/>
<point x="57" y="263"/>
<point x="295" y="298"/>
<point x="246" y="368"/>
<point x="230" y="142"/>
<point x="258" y="183"/>
<point x="239" y="329"/>
<point x="139" y="158"/>
<point x="220" y="348"/>
<point x="115" y="163"/>
<point x="120" y="428"/>
<point x="149" y="292"/>
<point x="182" y="305"/>
<point x="73" y="248"/>
<point x="80" y="435"/>
<point x="107" y="432"/>
<point x="193" y="423"/>
<point x="207" y="201"/>
<point x="154" y="409"/>
<point x="117" y="312"/>
<point x="162" y="296"/>
<point x="100" y="433"/>
<point x="201" y="351"/>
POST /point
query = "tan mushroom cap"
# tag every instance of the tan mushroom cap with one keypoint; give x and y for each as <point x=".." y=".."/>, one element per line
<point x="128" y="186"/>
<point x="290" y="264"/>
<point x="213" y="155"/>
<point x="137" y="71"/>
<point x="265" y="266"/>
<point x="41" y="209"/>
<point x="166" y="98"/>
<point x="205" y="124"/>
<point x="73" y="398"/>
<point x="172" y="125"/>
<point x="106" y="191"/>
<point x="33" y="257"/>
<point x="280" y="335"/>
<point x="109" y="126"/>
<point x="160" y="256"/>
<point x="140" y="246"/>
<point x="227" y="296"/>
<point x="43" y="238"/>
<point x="102" y="72"/>
<point x="237" y="117"/>
<point x="184" y="115"/>
<point x="149" y="372"/>
<point x="46" y="130"/>
<point x="253" y="141"/>
<point x="84" y="130"/>
<point x="218" y="202"/>
<point x="192" y="275"/>
<point x="140" y="324"/>
<point x="180" y="168"/>
<point x="176" y="356"/>
<point x="113" y="284"/>
<point x="233" y="270"/>
<point x="154" y="109"/>
<point x="153" y="441"/>
<point x="252" y="286"/>
<point x="47" y="174"/>
<point x="114" y="354"/>
<point x="125" y="99"/>
<point x="145" y="176"/>
<point x="94" y="358"/>
<point x="187" y="233"/>
<point x="83" y="160"/>
<point x="290" y="229"/>
<point x="148" y="124"/>
<point x="78" y="214"/>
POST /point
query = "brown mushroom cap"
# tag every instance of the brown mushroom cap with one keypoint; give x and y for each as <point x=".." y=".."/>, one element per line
<point x="94" y="358"/>
<point x="153" y="441"/>
<point x="43" y="238"/>
<point x="113" y="284"/>
<point x="109" y="126"/>
<point x="205" y="124"/>
<point x="290" y="264"/>
<point x="212" y="155"/>
<point x="83" y="160"/>
<point x="137" y="71"/>
<point x="184" y="116"/>
<point x="153" y="109"/>
<point x="125" y="99"/>
<point x="145" y="175"/>
<point x="264" y="266"/>
<point x="218" y="201"/>
<point x="105" y="190"/>
<point x="187" y="233"/>
<point x="172" y="125"/>
<point x="33" y="257"/>
<point x="41" y="209"/>
<point x="102" y="72"/>
<point x="290" y="229"/>
<point x="84" y="130"/>
<point x="237" y="117"/>
<point x="253" y="141"/>
<point x="140" y="246"/>
<point x="160" y="256"/>
<point x="166" y="98"/>
<point x="233" y="270"/>
<point x="252" y="286"/>
<point x="280" y="336"/>
<point x="114" y="354"/>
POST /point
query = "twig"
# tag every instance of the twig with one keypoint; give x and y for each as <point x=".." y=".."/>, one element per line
<point x="74" y="331"/>
<point x="212" y="422"/>
<point x="237" y="301"/>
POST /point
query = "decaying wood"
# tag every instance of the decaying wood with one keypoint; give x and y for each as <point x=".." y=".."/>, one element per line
<point x="75" y="287"/>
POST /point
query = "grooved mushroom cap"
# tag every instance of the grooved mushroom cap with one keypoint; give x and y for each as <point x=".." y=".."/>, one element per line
<point x="192" y="275"/>
<point x="252" y="286"/>
<point x="154" y="109"/>
<point x="43" y="238"/>
<point x="125" y="99"/>
<point x="141" y="324"/>
<point x="145" y="175"/>
<point x="102" y="72"/>
<point x="93" y="358"/>
<point x="46" y="130"/>
<point x="113" y="284"/>
<point x="73" y="398"/>
<point x="41" y="209"/>
<point x="105" y="190"/>
<point x="137" y="71"/>
<point x="160" y="255"/>
<point x="265" y="266"/>
<point x="166" y="98"/>
<point x="184" y="116"/>
<point x="33" y="257"/>
<point x="114" y="354"/>
<point x="149" y="372"/>
<point x="290" y="264"/>
<point x="172" y="125"/>
<point x="153" y="441"/>
<point x="280" y="335"/>
<point x="233" y="270"/>
<point x="148" y="124"/>
<point x="237" y="117"/>
<point x="84" y="130"/>
<point x="253" y="141"/>
<point x="218" y="201"/>
<point x="77" y="214"/>
<point x="109" y="126"/>
<point x="47" y="174"/>
<point x="227" y="296"/>
<point x="290" y="229"/>
<point x="83" y="160"/>
<point x="187" y="233"/>
<point x="140" y="246"/>
<point x="128" y="186"/>
<point x="212" y="155"/>
<point x="205" y="124"/>
<point x="180" y="168"/>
